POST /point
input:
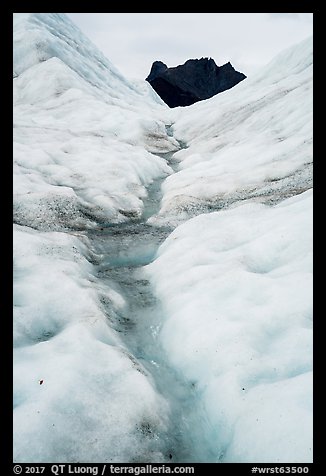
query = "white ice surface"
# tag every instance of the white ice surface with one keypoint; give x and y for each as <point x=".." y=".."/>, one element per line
<point x="235" y="284"/>
<point x="251" y="142"/>
<point x="83" y="143"/>
<point x="83" y="135"/>
<point x="96" y="402"/>
<point x="237" y="290"/>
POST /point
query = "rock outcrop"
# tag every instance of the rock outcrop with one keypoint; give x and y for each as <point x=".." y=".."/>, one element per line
<point x="193" y="81"/>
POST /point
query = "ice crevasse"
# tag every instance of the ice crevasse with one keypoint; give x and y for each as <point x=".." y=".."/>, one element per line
<point x="234" y="284"/>
<point x="84" y="144"/>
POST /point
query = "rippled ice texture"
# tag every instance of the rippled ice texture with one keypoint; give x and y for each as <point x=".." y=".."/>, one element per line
<point x="237" y="290"/>
<point x="234" y="285"/>
<point x="252" y="142"/>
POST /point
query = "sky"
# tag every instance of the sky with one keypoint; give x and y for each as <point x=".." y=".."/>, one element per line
<point x="133" y="41"/>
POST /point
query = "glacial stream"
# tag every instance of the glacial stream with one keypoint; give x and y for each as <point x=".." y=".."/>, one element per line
<point x="126" y="248"/>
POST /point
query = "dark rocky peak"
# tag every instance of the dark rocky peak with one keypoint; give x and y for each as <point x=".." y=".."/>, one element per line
<point x="193" y="81"/>
<point x="158" y="67"/>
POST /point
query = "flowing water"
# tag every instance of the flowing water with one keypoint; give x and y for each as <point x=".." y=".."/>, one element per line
<point x="126" y="248"/>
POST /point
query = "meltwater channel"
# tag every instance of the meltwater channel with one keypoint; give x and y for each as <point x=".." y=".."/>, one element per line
<point x="125" y="249"/>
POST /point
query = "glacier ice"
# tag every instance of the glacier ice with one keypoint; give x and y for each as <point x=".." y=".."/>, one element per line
<point x="253" y="142"/>
<point x="83" y="149"/>
<point x="236" y="286"/>
<point x="142" y="330"/>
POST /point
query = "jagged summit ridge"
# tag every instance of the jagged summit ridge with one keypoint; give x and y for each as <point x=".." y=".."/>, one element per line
<point x="195" y="80"/>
